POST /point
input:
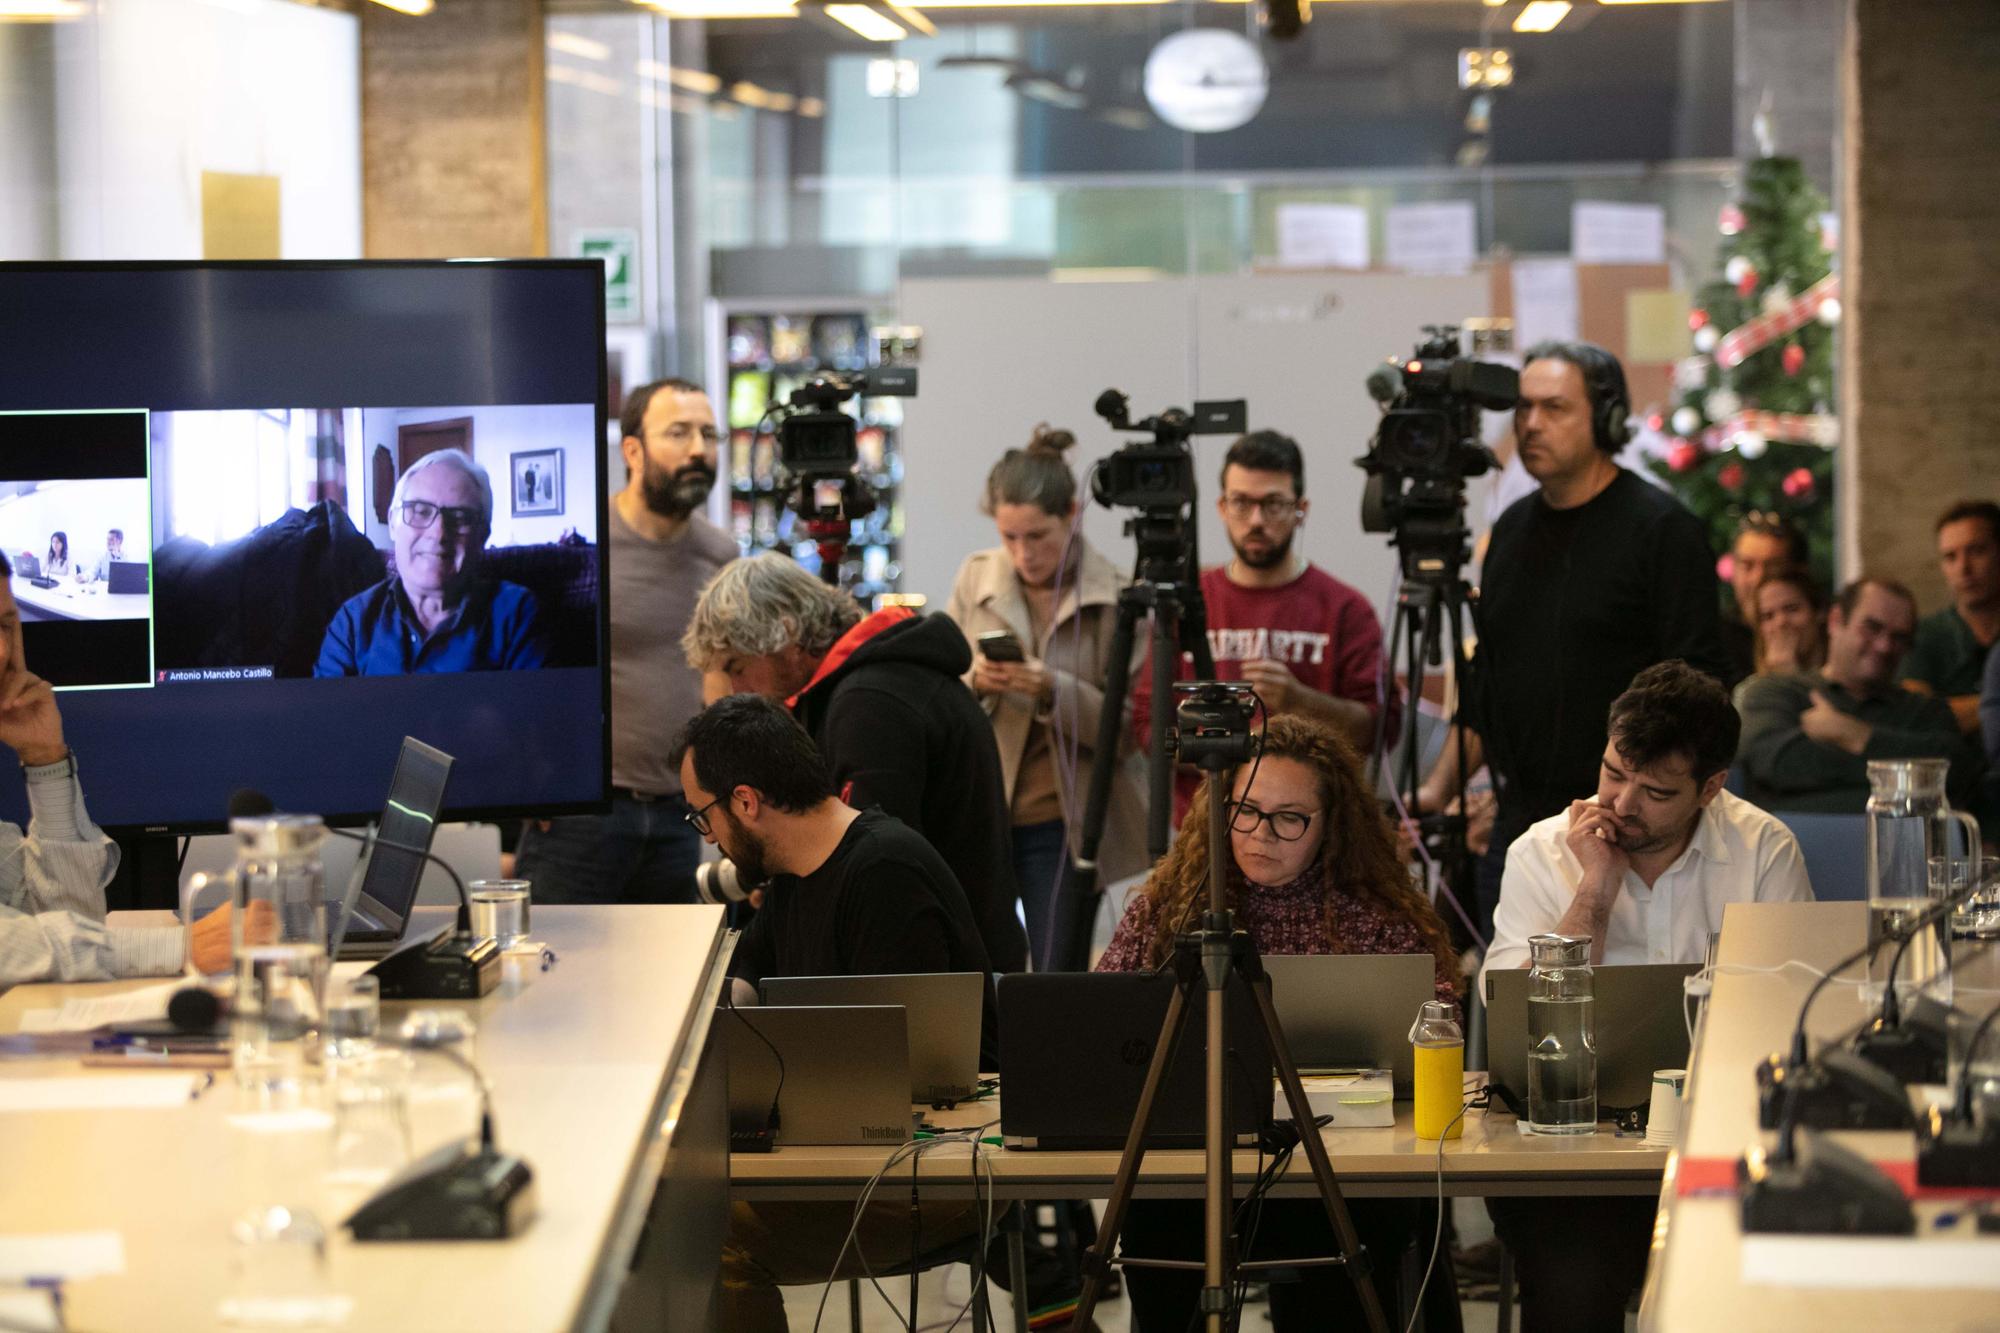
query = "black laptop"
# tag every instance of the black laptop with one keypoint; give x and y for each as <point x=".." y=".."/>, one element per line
<point x="126" y="576"/>
<point x="379" y="912"/>
<point x="1075" y="1046"/>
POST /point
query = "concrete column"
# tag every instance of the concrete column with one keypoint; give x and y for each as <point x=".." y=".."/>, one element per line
<point x="1920" y="264"/>
<point x="453" y="139"/>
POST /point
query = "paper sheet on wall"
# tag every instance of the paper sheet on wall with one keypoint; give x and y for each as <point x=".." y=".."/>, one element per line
<point x="1545" y="304"/>
<point x="1432" y="238"/>
<point x="69" y="1255"/>
<point x="1601" y="233"/>
<point x="1656" y="326"/>
<point x="1323" y="236"/>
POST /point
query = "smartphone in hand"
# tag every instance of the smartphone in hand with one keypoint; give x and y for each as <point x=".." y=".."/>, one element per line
<point x="1000" y="646"/>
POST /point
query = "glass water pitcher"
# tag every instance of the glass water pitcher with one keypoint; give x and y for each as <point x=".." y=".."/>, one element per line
<point x="1919" y="851"/>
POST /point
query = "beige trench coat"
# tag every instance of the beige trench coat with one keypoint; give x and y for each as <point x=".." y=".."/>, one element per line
<point x="987" y="596"/>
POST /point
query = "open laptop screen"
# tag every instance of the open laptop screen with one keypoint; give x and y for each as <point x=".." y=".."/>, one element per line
<point x="416" y="794"/>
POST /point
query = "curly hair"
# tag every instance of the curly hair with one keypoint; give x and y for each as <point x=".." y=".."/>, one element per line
<point x="1357" y="850"/>
<point x="764" y="605"/>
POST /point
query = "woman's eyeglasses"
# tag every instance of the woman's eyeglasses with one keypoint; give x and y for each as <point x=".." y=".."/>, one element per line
<point x="1286" y="825"/>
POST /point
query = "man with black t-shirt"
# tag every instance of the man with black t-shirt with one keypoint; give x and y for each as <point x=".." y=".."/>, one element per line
<point x="850" y="893"/>
<point x="1587" y="582"/>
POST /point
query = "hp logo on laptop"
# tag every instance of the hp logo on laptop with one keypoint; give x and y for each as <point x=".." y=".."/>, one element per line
<point x="1136" y="1051"/>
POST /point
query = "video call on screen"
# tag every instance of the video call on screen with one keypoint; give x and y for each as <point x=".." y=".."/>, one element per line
<point x="233" y="562"/>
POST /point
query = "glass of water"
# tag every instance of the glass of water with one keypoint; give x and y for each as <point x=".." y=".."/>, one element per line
<point x="276" y="1023"/>
<point x="500" y="911"/>
<point x="353" y="1016"/>
<point x="371" y="1118"/>
<point x="1979" y="915"/>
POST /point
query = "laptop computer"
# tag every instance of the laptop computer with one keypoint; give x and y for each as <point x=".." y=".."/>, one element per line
<point x="377" y="913"/>
<point x="126" y="576"/>
<point x="1075" y="1046"/>
<point x="840" y="1073"/>
<point x="944" y="1010"/>
<point x="28" y="566"/>
<point x="1638" y="1017"/>
<point x="1344" y="1011"/>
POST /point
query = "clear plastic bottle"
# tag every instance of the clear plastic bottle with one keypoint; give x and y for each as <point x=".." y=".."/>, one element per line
<point x="1562" y="1036"/>
<point x="1440" y="1071"/>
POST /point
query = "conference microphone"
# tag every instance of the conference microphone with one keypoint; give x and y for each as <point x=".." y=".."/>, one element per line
<point x="246" y="802"/>
<point x="1954" y="1149"/>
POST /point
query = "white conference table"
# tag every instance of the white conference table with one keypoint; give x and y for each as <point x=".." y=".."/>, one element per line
<point x="598" y="1080"/>
<point x="1695" y="1281"/>
<point x="70" y="601"/>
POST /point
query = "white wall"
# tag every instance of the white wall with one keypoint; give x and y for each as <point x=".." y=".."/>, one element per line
<point x="151" y="93"/>
<point x="1001" y="354"/>
<point x="498" y="432"/>
<point x="27" y="142"/>
<point x="81" y="509"/>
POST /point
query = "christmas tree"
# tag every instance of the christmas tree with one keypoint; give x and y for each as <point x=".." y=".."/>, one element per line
<point x="1753" y="429"/>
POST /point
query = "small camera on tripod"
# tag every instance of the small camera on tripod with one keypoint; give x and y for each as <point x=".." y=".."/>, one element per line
<point x="1212" y="723"/>
<point x="816" y="440"/>
<point x="1428" y="443"/>
<point x="1158" y="473"/>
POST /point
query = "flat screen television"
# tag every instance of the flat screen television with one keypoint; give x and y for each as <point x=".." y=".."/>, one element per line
<point x="239" y="564"/>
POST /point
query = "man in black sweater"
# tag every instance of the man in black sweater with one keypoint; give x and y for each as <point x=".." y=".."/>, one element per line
<point x="849" y="893"/>
<point x="882" y="697"/>
<point x="1587" y="582"/>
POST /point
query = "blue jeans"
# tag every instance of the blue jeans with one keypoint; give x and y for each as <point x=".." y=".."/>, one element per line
<point x="642" y="852"/>
<point x="1041" y="863"/>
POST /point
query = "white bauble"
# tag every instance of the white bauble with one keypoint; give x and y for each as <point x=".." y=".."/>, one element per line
<point x="1722" y="404"/>
<point x="1777" y="298"/>
<point x="1736" y="269"/>
<point x="1750" y="444"/>
<point x="1829" y="311"/>
<point x="1705" y="338"/>
<point x="1686" y="421"/>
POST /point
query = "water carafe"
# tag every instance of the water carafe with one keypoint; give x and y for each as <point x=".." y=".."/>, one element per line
<point x="1915" y="857"/>
<point x="1562" y="1036"/>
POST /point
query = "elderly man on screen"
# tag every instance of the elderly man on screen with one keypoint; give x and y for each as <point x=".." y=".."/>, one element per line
<point x="436" y="613"/>
<point x="52" y="876"/>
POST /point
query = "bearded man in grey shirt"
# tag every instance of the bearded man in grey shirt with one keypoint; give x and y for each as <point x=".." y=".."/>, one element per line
<point x="662" y="551"/>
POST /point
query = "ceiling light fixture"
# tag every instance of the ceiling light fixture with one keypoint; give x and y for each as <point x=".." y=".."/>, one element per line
<point x="1541" y="15"/>
<point x="911" y="18"/>
<point x="414" y="8"/>
<point x="724" y="9"/>
<point x="867" y="22"/>
<point x="42" y="11"/>
<point x="575" y="44"/>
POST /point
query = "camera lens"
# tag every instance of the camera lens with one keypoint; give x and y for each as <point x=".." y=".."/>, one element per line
<point x="718" y="882"/>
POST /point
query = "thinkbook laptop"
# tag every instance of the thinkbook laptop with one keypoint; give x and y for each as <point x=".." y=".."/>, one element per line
<point x="1352" y="1010"/>
<point x="838" y="1074"/>
<point x="1075" y="1047"/>
<point x="379" y="912"/>
<point x="943" y="1009"/>
<point x="1639" y="1020"/>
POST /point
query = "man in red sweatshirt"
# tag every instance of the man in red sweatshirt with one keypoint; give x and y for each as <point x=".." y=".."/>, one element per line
<point x="1310" y="644"/>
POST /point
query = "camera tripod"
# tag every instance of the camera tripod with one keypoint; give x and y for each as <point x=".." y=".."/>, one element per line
<point x="1205" y="960"/>
<point x="1166" y="583"/>
<point x="830" y="525"/>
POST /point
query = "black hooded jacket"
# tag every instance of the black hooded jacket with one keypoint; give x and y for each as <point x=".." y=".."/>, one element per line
<point x="890" y="712"/>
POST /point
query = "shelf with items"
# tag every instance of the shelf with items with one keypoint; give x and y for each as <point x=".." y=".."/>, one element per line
<point x="767" y="352"/>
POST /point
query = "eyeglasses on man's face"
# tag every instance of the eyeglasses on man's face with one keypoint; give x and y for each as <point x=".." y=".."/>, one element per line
<point x="421" y="514"/>
<point x="698" y="819"/>
<point x="1286" y="825"/>
<point x="685" y="432"/>
<point x="1272" y="507"/>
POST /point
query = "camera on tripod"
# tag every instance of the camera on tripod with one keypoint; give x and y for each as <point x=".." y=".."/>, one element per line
<point x="1428" y="443"/>
<point x="816" y="440"/>
<point x="1158" y="473"/>
<point x="1212" y="723"/>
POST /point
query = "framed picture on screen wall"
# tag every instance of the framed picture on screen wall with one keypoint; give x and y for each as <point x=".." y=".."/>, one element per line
<point x="537" y="481"/>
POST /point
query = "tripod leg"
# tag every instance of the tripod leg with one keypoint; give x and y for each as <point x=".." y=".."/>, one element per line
<point x="1076" y="899"/>
<point x="1322" y="1166"/>
<point x="1096" y="1259"/>
<point x="1216" y="1198"/>
<point x="1160" y="767"/>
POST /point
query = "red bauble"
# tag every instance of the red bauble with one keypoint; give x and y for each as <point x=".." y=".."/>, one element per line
<point x="1731" y="220"/>
<point x="1793" y="358"/>
<point x="1697" y="320"/>
<point x="1682" y="455"/>
<point x="1725" y="567"/>
<point x="1747" y="284"/>
<point x="1798" y="484"/>
<point x="1730" y="477"/>
<point x="1655" y="421"/>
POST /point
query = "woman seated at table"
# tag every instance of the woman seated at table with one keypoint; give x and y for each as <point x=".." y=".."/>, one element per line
<point x="57" y="564"/>
<point x="1313" y="870"/>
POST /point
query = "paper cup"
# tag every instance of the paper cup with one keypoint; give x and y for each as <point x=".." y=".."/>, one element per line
<point x="1663" y="1121"/>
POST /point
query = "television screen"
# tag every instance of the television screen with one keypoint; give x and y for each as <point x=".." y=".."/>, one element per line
<point x="266" y="519"/>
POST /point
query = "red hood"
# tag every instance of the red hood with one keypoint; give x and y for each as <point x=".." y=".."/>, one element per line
<point x="851" y="642"/>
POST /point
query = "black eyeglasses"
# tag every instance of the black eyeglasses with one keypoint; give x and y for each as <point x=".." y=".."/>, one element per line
<point x="699" y="818"/>
<point x="1286" y="825"/>
<point x="422" y="513"/>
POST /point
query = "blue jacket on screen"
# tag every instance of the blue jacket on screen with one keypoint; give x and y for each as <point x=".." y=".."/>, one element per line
<point x="374" y="633"/>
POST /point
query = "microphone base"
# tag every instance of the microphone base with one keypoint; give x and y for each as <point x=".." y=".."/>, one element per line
<point x="1839" y="1090"/>
<point x="451" y="1194"/>
<point x="450" y="967"/>
<point x="1826" y="1190"/>
<point x="1958" y="1154"/>
<point x="1912" y="1051"/>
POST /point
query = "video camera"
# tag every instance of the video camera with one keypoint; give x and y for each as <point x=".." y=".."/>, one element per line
<point x="1212" y="723"/>
<point x="1428" y="443"/>
<point x="1158" y="474"/>
<point x="816" y="440"/>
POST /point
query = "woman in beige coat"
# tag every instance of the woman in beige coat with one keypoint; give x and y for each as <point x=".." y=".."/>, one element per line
<point x="1048" y="706"/>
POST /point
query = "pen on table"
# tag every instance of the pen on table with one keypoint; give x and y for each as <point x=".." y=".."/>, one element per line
<point x="54" y="1287"/>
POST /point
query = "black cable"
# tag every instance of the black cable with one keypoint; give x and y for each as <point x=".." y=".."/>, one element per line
<point x="729" y="1003"/>
<point x="1964" y="1098"/>
<point x="464" y="898"/>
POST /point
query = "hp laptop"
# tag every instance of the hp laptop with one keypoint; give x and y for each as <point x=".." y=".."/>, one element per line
<point x="839" y="1075"/>
<point x="1075" y="1046"/>
<point x="126" y="576"/>
<point x="1640" y="1025"/>
<point x="1344" y="1011"/>
<point x="373" y="922"/>
<point x="943" y="1008"/>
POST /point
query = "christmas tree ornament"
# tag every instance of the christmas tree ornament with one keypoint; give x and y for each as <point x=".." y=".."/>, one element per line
<point x="1686" y="421"/>
<point x="1730" y="477"/>
<point x="1829" y="311"/>
<point x="1776" y="299"/>
<point x="1690" y="373"/>
<point x="1730" y="223"/>
<point x="1655" y="422"/>
<point x="1722" y="404"/>
<point x="1798" y="484"/>
<point x="1705" y="339"/>
<point x="1697" y="319"/>
<point x="1750" y="444"/>
<point x="1682" y="455"/>
<point x="1794" y="358"/>
<point x="1737" y="269"/>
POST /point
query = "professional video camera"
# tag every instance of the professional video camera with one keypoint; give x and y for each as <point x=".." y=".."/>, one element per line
<point x="1428" y="443"/>
<point x="817" y="446"/>
<point x="1159" y="473"/>
<point x="1212" y="723"/>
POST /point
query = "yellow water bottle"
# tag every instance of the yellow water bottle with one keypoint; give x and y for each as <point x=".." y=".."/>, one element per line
<point x="1440" y="1072"/>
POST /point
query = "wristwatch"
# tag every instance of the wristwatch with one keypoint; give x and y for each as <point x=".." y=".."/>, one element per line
<point x="64" y="767"/>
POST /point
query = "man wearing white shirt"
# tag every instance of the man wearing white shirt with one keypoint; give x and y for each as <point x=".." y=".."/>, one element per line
<point x="1643" y="868"/>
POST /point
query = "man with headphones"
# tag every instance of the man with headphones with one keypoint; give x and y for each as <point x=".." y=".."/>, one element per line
<point x="1587" y="582"/>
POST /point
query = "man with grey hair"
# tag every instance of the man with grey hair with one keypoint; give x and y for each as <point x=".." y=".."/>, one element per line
<point x="435" y="613"/>
<point x="883" y="697"/>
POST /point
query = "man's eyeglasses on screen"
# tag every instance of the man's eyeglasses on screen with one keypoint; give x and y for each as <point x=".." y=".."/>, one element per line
<point x="422" y="513"/>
